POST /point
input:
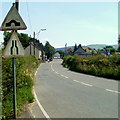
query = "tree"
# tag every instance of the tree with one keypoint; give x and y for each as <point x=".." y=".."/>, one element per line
<point x="49" y="50"/>
<point x="61" y="52"/>
<point x="112" y="50"/>
<point x="24" y="38"/>
<point x="7" y="36"/>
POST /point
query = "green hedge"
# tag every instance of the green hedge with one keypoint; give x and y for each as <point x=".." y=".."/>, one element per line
<point x="95" y="65"/>
<point x="25" y="68"/>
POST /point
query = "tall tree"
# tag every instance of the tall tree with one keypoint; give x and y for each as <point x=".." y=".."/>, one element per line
<point x="7" y="36"/>
<point x="49" y="50"/>
<point x="24" y="38"/>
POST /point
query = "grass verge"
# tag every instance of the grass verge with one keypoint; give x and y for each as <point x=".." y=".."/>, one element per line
<point x="25" y="69"/>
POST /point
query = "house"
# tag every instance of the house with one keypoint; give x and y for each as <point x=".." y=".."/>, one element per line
<point x="36" y="50"/>
<point x="82" y="51"/>
<point x="56" y="55"/>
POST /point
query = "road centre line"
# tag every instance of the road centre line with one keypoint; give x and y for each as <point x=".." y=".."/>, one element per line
<point x="56" y="72"/>
<point x="112" y="91"/>
<point x="64" y="76"/>
<point x="83" y="83"/>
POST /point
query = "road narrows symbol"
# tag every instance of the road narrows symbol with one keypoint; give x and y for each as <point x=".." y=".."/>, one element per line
<point x="14" y="48"/>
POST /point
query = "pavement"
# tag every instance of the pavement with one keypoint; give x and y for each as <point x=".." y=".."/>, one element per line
<point x="26" y="113"/>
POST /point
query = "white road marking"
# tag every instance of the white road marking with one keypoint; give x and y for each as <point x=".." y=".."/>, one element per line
<point x="52" y="68"/>
<point x="36" y="71"/>
<point x="86" y="84"/>
<point x="56" y="72"/>
<point x="41" y="107"/>
<point x="112" y="91"/>
<point x="83" y="83"/>
<point x="64" y="76"/>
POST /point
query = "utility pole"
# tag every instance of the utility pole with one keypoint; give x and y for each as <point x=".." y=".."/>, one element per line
<point x="34" y="42"/>
<point x="30" y="44"/>
<point x="65" y="49"/>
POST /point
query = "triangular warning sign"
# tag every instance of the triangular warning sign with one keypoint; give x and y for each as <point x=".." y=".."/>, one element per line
<point x="14" y="47"/>
<point x="13" y="21"/>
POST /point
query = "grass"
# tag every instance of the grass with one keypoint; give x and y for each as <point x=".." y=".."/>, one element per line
<point x="25" y="70"/>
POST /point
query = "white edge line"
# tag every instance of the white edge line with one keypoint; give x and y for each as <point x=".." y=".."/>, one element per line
<point x="36" y="71"/>
<point x="40" y="106"/>
<point x="112" y="91"/>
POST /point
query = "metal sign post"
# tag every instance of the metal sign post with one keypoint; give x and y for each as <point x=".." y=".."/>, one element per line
<point x="14" y="22"/>
<point x="14" y="87"/>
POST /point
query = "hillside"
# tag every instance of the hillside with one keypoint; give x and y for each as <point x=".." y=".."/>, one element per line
<point x="96" y="46"/>
<point x="101" y="46"/>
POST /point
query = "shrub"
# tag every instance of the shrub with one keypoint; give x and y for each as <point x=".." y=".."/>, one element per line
<point x="25" y="68"/>
<point x="99" y="65"/>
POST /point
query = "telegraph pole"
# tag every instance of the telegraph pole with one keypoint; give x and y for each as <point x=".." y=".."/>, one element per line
<point x="34" y="42"/>
<point x="65" y="49"/>
<point x="30" y="44"/>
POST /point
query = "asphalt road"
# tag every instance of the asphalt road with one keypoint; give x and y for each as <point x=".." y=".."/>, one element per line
<point x="61" y="93"/>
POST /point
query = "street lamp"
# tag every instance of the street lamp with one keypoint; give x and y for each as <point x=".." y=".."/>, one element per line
<point x="39" y="32"/>
<point x="36" y="38"/>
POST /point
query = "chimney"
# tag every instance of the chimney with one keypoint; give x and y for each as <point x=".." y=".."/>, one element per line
<point x="79" y="46"/>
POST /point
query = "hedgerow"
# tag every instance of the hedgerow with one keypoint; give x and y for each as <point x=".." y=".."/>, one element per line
<point x="95" y="65"/>
<point x="25" y="68"/>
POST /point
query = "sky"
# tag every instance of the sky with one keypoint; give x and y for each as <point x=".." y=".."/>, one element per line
<point x="83" y="23"/>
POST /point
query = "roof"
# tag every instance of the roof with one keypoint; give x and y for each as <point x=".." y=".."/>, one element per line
<point x="37" y="45"/>
<point x="83" y="50"/>
<point x="56" y="54"/>
<point x="80" y="50"/>
<point x="87" y="49"/>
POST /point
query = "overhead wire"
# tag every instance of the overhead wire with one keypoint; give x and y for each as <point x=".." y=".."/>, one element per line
<point x="31" y="28"/>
